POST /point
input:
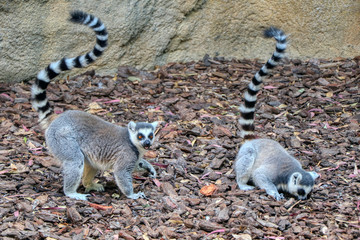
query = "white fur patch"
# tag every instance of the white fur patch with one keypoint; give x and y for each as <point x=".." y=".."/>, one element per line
<point x="246" y="121"/>
<point x="92" y="56"/>
<point x="102" y="27"/>
<point x="272" y="62"/>
<point x="35" y="90"/>
<point x="55" y="66"/>
<point x="42" y="75"/>
<point x="87" y="20"/>
<point x="314" y="175"/>
<point x="145" y="131"/>
<point x="101" y="49"/>
<point x="83" y="61"/>
<point x="70" y="63"/>
<point x="264" y="69"/>
<point x="93" y="22"/>
<point x="39" y="104"/>
<point x="102" y="37"/>
<point x="244" y="109"/>
<point x="254" y="87"/>
<point x="279" y="55"/>
<point x="280" y="37"/>
<point x="246" y="133"/>
<point x="281" y="46"/>
<point x="258" y="77"/>
<point x="42" y="115"/>
<point x="249" y="97"/>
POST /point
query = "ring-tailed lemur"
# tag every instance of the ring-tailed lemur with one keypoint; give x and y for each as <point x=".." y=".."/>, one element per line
<point x="85" y="143"/>
<point x="263" y="161"/>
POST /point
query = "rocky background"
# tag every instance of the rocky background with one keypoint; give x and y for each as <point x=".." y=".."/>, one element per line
<point x="147" y="33"/>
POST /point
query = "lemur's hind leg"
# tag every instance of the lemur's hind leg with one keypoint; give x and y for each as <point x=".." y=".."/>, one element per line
<point x="72" y="160"/>
<point x="243" y="166"/>
<point x="72" y="171"/>
<point x="263" y="182"/>
<point x="88" y="179"/>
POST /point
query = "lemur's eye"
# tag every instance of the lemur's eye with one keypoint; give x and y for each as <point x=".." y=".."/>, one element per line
<point x="140" y="136"/>
<point x="151" y="136"/>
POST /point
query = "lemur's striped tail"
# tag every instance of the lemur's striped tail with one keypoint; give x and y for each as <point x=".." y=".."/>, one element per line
<point x="247" y="109"/>
<point x="38" y="91"/>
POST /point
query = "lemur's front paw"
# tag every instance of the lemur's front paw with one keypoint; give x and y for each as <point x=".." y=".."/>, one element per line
<point x="137" y="195"/>
<point x="277" y="196"/>
<point x="152" y="173"/>
<point x="94" y="186"/>
<point x="77" y="196"/>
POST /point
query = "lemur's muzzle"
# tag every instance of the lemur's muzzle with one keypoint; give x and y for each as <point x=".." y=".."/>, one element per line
<point x="147" y="144"/>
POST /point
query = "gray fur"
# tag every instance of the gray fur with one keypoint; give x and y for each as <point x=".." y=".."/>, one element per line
<point x="263" y="161"/>
<point x="268" y="165"/>
<point x="142" y="125"/>
<point x="85" y="144"/>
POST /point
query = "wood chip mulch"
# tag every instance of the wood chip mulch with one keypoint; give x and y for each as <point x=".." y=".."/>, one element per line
<point x="310" y="107"/>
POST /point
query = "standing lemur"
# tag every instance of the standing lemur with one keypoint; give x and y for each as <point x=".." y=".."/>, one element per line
<point x="83" y="142"/>
<point x="263" y="161"/>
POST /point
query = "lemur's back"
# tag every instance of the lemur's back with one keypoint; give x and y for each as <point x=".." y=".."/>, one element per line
<point x="272" y="156"/>
<point x="100" y="141"/>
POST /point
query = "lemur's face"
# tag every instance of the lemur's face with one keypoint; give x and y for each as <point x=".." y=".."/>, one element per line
<point x="300" y="186"/>
<point x="142" y="134"/>
<point x="300" y="191"/>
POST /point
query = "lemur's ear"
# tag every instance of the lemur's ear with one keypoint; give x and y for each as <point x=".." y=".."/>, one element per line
<point x="132" y="126"/>
<point x="154" y="124"/>
<point x="314" y="175"/>
<point x="296" y="178"/>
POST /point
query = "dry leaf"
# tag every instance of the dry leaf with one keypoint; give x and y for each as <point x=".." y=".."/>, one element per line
<point x="157" y="182"/>
<point x="208" y="190"/>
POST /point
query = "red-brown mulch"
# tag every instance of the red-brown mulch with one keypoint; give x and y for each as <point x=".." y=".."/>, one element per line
<point x="310" y="107"/>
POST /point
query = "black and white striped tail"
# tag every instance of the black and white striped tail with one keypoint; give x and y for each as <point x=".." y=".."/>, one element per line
<point x="247" y="109"/>
<point x="38" y="92"/>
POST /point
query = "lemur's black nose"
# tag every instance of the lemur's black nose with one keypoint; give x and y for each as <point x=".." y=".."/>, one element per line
<point x="147" y="144"/>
